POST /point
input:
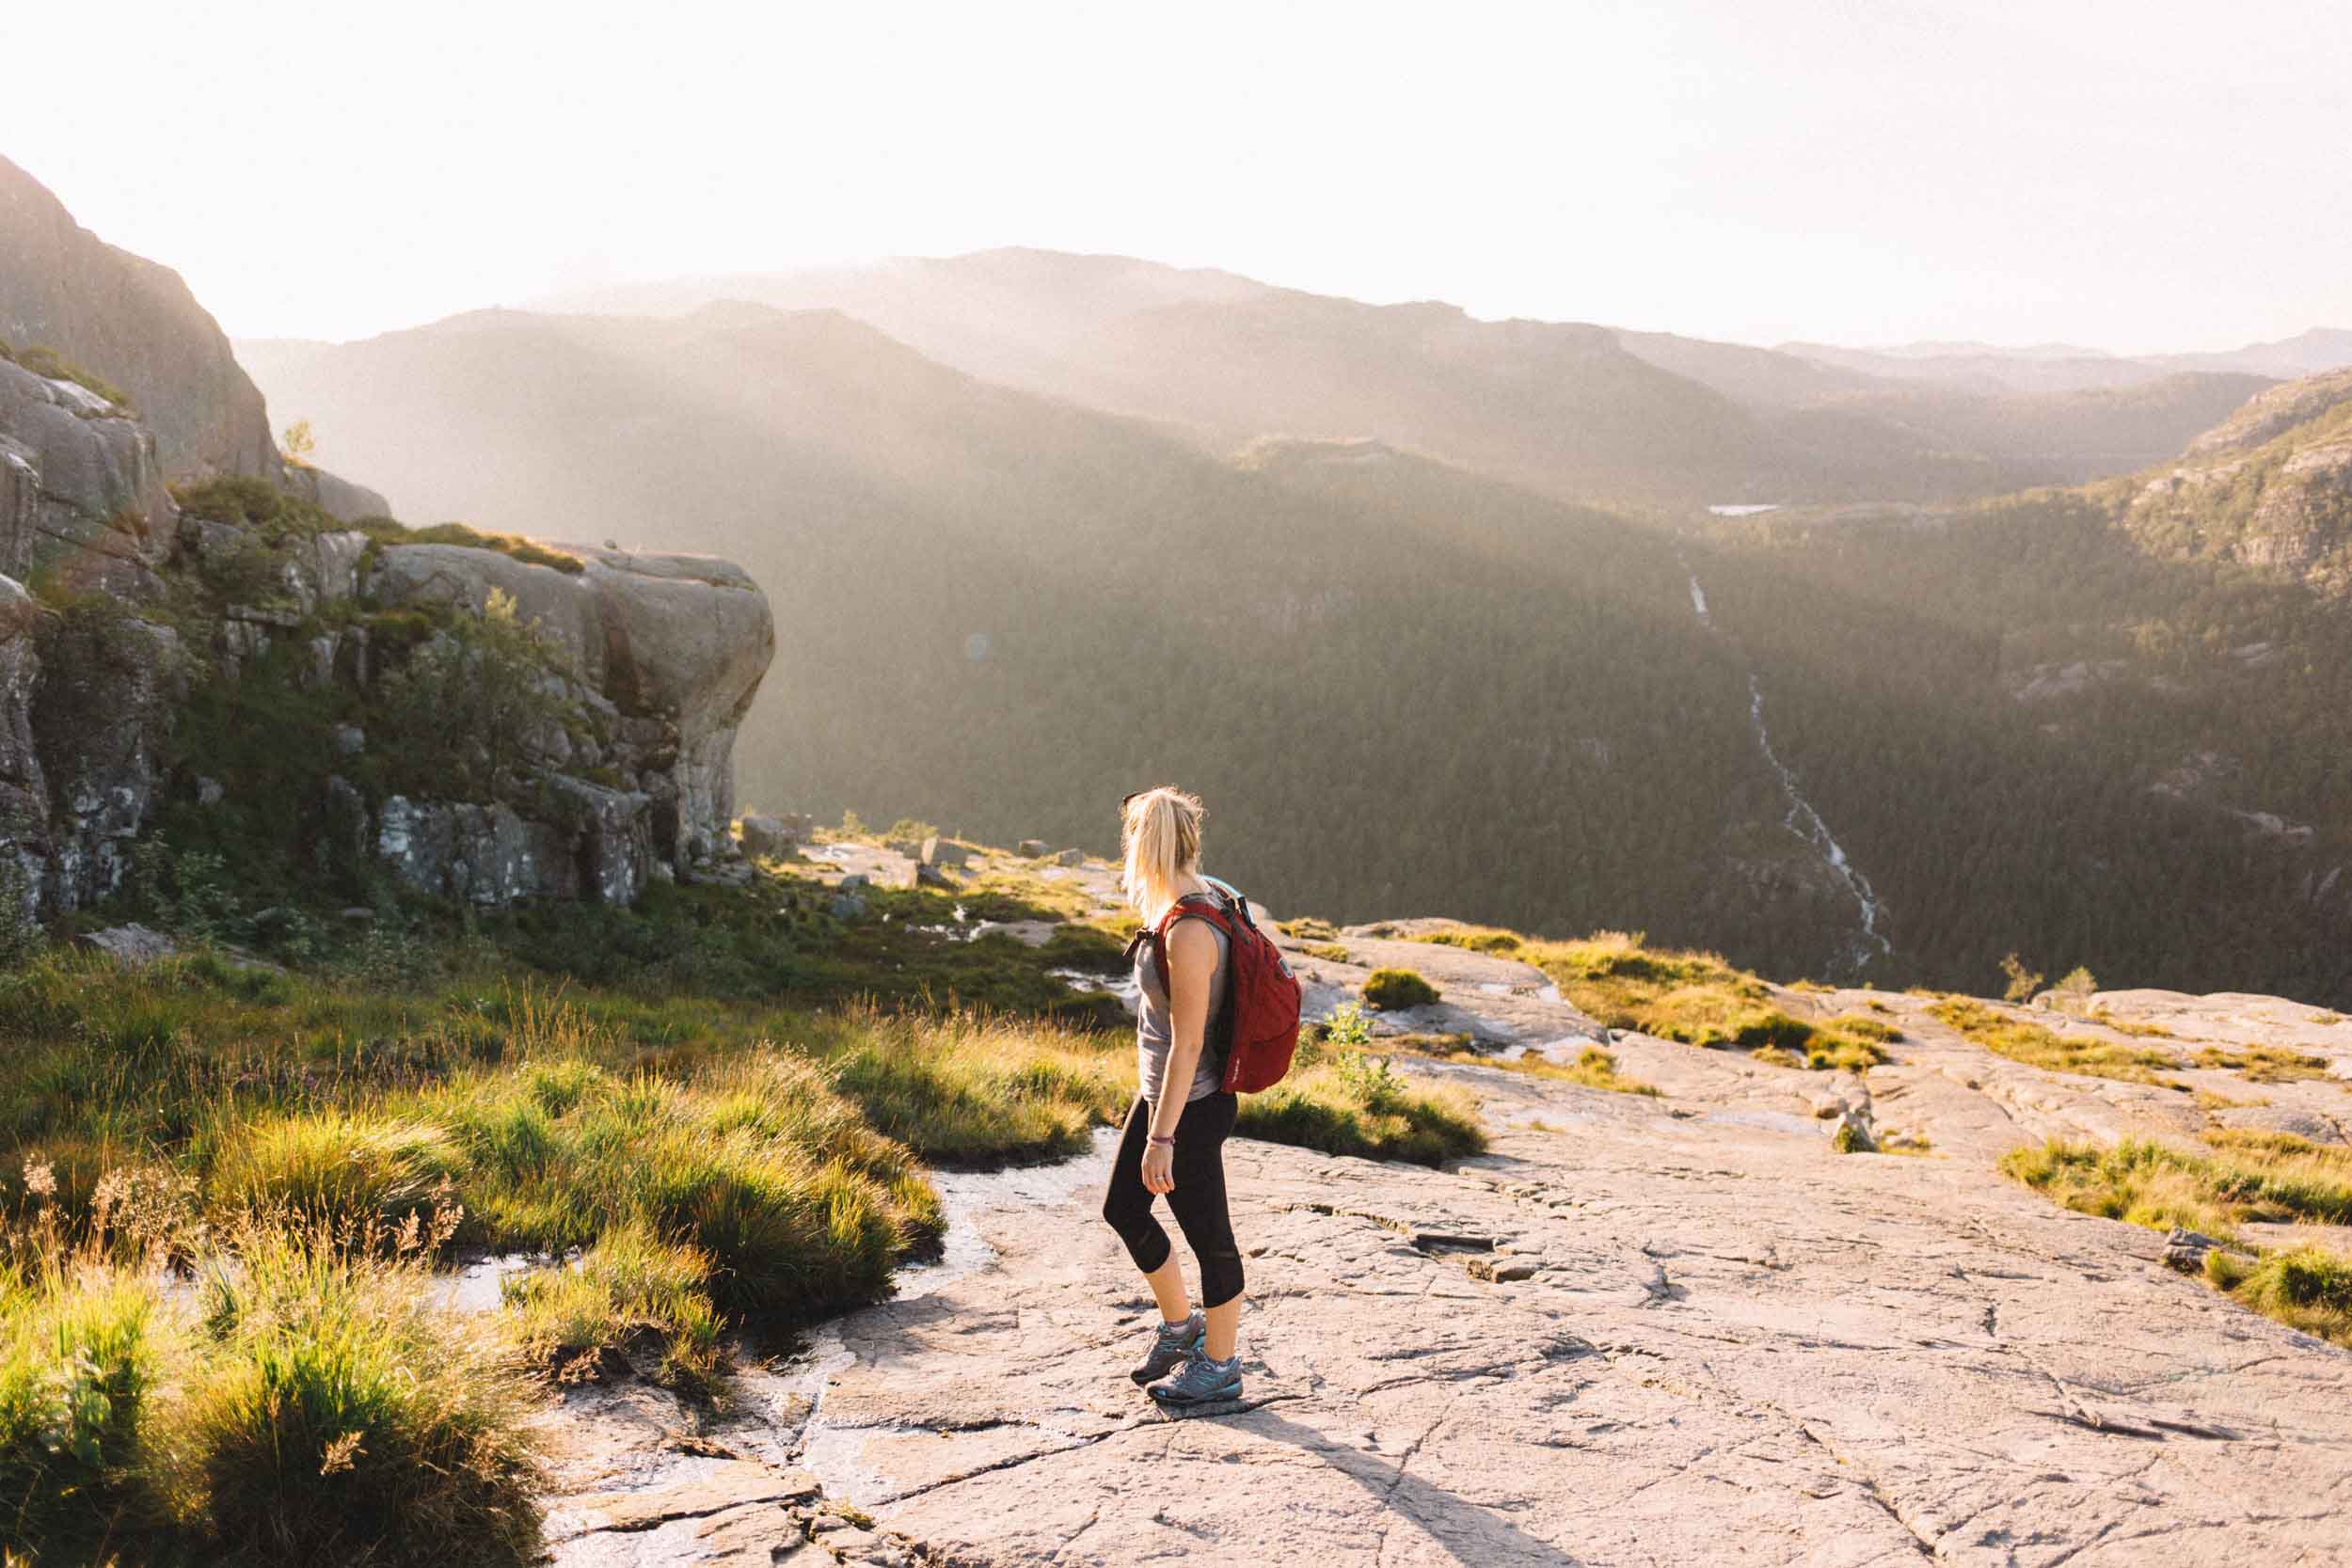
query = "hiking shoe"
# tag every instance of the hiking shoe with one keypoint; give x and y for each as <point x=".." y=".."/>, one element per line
<point x="1199" y="1381"/>
<point x="1169" y="1347"/>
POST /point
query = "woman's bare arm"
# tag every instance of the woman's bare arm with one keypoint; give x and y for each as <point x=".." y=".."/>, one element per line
<point x="1191" y="965"/>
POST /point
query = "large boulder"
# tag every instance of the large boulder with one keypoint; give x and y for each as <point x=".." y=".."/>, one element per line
<point x="81" y="492"/>
<point x="135" y="324"/>
<point x="677" y="645"/>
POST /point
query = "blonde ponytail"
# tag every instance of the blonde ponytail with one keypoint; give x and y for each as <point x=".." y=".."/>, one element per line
<point x="1160" y="838"/>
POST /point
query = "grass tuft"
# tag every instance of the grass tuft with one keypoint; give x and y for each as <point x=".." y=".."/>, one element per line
<point x="1393" y="990"/>
<point x="1345" y="1102"/>
<point x="2036" y="1046"/>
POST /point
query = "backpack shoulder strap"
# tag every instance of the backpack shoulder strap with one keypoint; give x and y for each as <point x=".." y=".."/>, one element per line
<point x="1157" y="934"/>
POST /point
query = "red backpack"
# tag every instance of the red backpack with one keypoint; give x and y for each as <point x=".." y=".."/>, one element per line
<point x="1261" y="996"/>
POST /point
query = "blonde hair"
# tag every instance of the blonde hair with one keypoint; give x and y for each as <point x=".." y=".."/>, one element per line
<point x="1160" y="838"/>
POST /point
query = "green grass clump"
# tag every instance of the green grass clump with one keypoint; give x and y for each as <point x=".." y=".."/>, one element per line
<point x="242" y="500"/>
<point x="1862" y="1026"/>
<point x="341" y="1416"/>
<point x="2035" y="1046"/>
<point x="1308" y="928"/>
<point x="305" y="1405"/>
<point x="79" y="1355"/>
<point x="2306" y="1287"/>
<point x="571" y="1321"/>
<point x="1330" y="952"/>
<point x="1343" y="1101"/>
<point x="1691" y="997"/>
<point x="1391" y="990"/>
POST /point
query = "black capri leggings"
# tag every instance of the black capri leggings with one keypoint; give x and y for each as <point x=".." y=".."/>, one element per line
<point x="1198" y="1200"/>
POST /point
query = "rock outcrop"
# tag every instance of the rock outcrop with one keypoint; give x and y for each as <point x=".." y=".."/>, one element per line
<point x="671" y="648"/>
<point x="82" y="492"/>
<point x="116" y="599"/>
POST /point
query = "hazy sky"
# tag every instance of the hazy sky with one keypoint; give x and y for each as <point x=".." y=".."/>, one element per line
<point x="2136" y="175"/>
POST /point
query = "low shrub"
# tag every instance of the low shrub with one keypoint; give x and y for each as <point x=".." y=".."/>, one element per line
<point x="1393" y="990"/>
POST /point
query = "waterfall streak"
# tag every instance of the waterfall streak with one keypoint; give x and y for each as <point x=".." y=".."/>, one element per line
<point x="1805" y="822"/>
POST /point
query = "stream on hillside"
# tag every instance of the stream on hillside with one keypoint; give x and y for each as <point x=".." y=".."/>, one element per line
<point x="1869" y="940"/>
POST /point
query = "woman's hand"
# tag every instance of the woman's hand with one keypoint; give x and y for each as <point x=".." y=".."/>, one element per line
<point x="1159" y="1168"/>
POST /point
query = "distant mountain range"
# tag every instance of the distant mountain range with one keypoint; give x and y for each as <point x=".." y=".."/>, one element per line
<point x="2063" y="368"/>
<point x="1585" y="413"/>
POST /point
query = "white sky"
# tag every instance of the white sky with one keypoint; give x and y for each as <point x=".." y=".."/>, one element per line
<point x="2132" y="174"/>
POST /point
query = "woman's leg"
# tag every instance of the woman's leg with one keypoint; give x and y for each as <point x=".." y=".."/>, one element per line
<point x="1205" y="1218"/>
<point x="1127" y="1208"/>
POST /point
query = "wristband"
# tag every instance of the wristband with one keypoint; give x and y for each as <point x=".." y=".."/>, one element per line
<point x="1169" y="1141"/>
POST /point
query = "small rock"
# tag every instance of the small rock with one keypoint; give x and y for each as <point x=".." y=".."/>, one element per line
<point x="1071" y="857"/>
<point x="930" y="876"/>
<point x="133" y="946"/>
<point x="358" y="914"/>
<point x="210" y="792"/>
<point x="846" y="906"/>
<point x="1501" y="1270"/>
<point x="2185" y="1250"/>
<point x="350" y="739"/>
<point x="1032" y="848"/>
<point x="856" y="881"/>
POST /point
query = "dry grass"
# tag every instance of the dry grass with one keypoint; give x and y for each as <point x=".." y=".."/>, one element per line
<point x="2263" y="1064"/>
<point x="2241" y="1175"/>
<point x="2036" y="1046"/>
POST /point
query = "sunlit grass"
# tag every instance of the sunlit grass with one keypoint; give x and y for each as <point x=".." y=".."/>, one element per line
<point x="2264" y="1064"/>
<point x="2242" y="1176"/>
<point x="2036" y="1046"/>
<point x="1342" y="1101"/>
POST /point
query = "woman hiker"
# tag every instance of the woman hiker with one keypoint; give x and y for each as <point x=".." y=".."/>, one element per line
<point x="1175" y="1141"/>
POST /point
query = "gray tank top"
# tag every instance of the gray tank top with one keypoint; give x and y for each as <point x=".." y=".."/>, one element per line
<point x="1156" y="1031"/>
